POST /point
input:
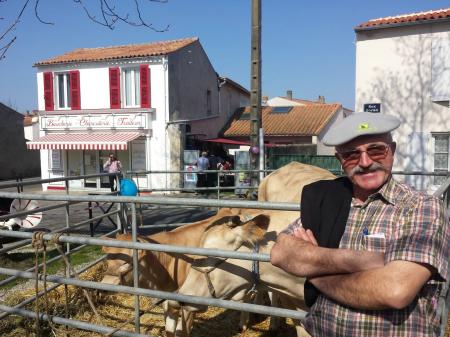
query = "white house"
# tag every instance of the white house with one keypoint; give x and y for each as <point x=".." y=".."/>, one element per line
<point x="403" y="69"/>
<point x="138" y="101"/>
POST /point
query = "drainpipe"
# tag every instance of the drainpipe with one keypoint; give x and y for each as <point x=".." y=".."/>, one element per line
<point x="166" y="118"/>
<point x="221" y="81"/>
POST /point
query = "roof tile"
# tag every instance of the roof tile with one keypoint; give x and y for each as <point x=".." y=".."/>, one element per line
<point x="406" y="18"/>
<point x="308" y="120"/>
<point x="119" y="52"/>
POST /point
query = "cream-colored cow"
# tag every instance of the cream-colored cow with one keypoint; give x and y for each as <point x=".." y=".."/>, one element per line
<point x="158" y="270"/>
<point x="168" y="272"/>
<point x="232" y="279"/>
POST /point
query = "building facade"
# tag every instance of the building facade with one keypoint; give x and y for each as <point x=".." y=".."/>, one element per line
<point x="137" y="101"/>
<point x="403" y="69"/>
<point x="15" y="160"/>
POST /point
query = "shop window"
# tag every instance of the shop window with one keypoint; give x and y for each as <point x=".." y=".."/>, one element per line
<point x="55" y="160"/>
<point x="131" y="87"/>
<point x="441" y="157"/>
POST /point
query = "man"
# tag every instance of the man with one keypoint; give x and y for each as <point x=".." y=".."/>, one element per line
<point x="202" y="165"/>
<point x="368" y="212"/>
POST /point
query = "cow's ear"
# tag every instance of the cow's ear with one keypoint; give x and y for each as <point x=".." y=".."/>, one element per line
<point x="234" y="221"/>
<point x="253" y="231"/>
<point x="262" y="221"/>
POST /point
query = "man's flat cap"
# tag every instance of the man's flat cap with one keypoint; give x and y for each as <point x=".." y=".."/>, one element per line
<point x="360" y="124"/>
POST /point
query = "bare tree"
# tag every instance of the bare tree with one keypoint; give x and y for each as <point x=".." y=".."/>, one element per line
<point x="105" y="13"/>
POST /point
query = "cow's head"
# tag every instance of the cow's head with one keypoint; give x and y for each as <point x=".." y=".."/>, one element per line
<point x="153" y="273"/>
<point x="119" y="263"/>
<point x="230" y="233"/>
<point x="222" y="277"/>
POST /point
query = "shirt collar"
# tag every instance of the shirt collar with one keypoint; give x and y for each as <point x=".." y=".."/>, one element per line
<point x="387" y="191"/>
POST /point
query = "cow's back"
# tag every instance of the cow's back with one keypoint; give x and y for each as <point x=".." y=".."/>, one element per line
<point x="177" y="265"/>
<point x="286" y="183"/>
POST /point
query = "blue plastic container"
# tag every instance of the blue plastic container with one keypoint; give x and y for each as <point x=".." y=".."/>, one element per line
<point x="128" y="188"/>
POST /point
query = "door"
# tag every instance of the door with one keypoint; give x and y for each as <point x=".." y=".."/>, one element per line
<point x="75" y="167"/>
<point x="91" y="167"/>
<point x="103" y="158"/>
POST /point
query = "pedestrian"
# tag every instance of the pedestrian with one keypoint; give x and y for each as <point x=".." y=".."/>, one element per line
<point x="224" y="166"/>
<point x="202" y="164"/>
<point x="213" y="165"/>
<point x="113" y="166"/>
<point x="388" y="245"/>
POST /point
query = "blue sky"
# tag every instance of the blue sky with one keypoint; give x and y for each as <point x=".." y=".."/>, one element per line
<point x="307" y="46"/>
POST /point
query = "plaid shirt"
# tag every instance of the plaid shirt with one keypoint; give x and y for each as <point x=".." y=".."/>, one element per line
<point x="405" y="225"/>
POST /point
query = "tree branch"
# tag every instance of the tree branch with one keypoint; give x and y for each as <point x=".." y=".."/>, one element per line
<point x="109" y="16"/>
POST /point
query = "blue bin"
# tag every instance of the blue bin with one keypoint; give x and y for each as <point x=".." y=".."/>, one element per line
<point x="128" y="188"/>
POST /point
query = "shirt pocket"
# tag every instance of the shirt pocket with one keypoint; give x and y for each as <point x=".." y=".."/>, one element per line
<point x="374" y="244"/>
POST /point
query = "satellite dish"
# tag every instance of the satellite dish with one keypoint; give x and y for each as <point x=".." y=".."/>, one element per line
<point x="25" y="221"/>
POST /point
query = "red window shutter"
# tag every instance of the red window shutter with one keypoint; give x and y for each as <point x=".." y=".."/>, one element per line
<point x="114" y="88"/>
<point x="75" y="101"/>
<point x="145" y="86"/>
<point x="48" y="91"/>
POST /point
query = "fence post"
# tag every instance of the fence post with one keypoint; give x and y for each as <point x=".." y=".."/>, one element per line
<point x="137" y="317"/>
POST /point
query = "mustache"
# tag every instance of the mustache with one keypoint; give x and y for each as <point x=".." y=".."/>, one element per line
<point x="372" y="168"/>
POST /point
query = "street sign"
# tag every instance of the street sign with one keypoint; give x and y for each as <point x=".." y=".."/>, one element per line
<point x="372" y="107"/>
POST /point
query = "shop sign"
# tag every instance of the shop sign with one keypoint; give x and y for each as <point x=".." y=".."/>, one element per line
<point x="97" y="121"/>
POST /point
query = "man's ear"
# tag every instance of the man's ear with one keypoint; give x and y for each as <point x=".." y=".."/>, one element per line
<point x="337" y="157"/>
<point x="393" y="147"/>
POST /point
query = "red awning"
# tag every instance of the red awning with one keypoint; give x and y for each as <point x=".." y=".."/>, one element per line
<point x="225" y="141"/>
<point x="84" y="141"/>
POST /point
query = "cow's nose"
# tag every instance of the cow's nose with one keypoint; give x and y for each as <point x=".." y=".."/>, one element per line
<point x="110" y="279"/>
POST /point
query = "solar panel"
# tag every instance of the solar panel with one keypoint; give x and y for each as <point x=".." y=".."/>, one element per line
<point x="281" y="109"/>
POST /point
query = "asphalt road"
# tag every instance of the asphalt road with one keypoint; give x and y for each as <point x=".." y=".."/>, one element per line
<point x="151" y="217"/>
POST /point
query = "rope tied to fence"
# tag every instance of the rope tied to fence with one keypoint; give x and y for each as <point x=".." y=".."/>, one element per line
<point x="38" y="243"/>
<point x="55" y="240"/>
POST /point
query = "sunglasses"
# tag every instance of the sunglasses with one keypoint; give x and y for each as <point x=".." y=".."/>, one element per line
<point x="374" y="151"/>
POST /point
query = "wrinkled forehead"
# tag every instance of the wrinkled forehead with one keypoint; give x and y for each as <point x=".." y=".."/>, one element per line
<point x="365" y="140"/>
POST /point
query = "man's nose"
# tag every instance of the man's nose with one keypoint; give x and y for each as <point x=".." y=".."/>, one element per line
<point x="365" y="160"/>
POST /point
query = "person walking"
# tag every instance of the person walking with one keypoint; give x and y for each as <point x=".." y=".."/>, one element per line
<point x="374" y="251"/>
<point x="113" y="166"/>
<point x="202" y="165"/>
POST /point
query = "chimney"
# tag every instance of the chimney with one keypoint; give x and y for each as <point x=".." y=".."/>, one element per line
<point x="321" y="99"/>
<point x="289" y="94"/>
<point x="264" y="100"/>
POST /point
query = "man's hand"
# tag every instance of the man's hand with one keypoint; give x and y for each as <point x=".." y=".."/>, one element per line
<point x="305" y="235"/>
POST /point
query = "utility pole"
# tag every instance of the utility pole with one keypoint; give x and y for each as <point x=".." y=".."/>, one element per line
<point x="255" y="94"/>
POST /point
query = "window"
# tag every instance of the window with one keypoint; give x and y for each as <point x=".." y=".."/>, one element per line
<point x="62" y="90"/>
<point x="281" y="109"/>
<point x="441" y="152"/>
<point x="208" y="102"/>
<point x="131" y="87"/>
<point x="55" y="160"/>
